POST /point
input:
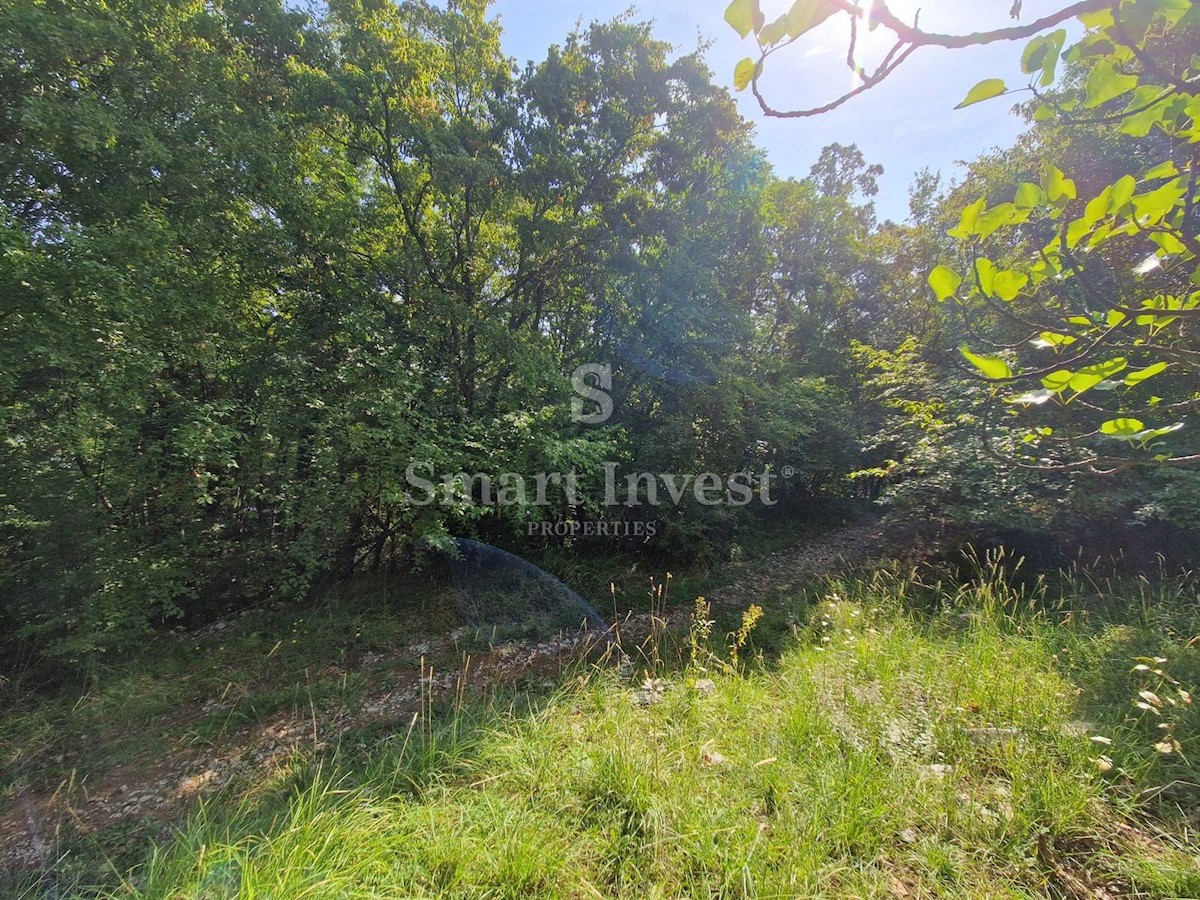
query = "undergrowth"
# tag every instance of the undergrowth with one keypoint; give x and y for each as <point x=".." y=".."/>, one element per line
<point x="912" y="738"/>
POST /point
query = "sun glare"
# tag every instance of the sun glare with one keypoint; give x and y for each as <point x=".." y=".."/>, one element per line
<point x="872" y="45"/>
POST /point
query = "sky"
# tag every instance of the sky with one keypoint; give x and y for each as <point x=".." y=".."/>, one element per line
<point x="906" y="124"/>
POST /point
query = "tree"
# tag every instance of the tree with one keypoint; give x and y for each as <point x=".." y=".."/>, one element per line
<point x="1080" y="307"/>
<point x="746" y="17"/>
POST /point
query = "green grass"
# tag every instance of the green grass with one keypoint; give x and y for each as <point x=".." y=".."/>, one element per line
<point x="909" y="740"/>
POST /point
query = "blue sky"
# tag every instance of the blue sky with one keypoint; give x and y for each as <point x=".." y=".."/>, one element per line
<point x="906" y="124"/>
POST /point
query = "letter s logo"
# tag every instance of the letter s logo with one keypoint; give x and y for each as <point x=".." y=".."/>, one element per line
<point x="598" y="394"/>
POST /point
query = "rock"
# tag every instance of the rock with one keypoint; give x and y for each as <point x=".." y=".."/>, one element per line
<point x="706" y="686"/>
<point x="652" y="692"/>
<point x="993" y="735"/>
<point x="711" y="757"/>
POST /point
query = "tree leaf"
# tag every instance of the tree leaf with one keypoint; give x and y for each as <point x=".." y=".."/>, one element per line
<point x="997" y="217"/>
<point x="1082" y="382"/>
<point x="743" y="73"/>
<point x="1105" y="83"/>
<point x="985" y="275"/>
<point x="1058" y="187"/>
<point x="775" y="32"/>
<point x="1052" y="339"/>
<point x="944" y="281"/>
<point x="991" y="366"/>
<point x="1009" y="284"/>
<point x="985" y="90"/>
<point x="1154" y="434"/>
<point x="1058" y="381"/>
<point x="1136" y="378"/>
<point x="970" y="216"/>
<point x="1123" y="428"/>
<point x="1107" y="369"/>
<point x="1029" y="196"/>
<point x="805" y="15"/>
<point x="1034" y="398"/>
<point x="745" y="16"/>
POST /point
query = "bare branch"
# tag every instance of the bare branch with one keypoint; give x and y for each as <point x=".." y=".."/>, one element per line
<point x="910" y="38"/>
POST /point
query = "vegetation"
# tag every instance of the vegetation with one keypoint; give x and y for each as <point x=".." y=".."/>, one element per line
<point x="267" y="273"/>
<point x="914" y="739"/>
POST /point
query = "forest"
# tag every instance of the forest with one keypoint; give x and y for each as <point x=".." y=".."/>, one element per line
<point x="322" y="329"/>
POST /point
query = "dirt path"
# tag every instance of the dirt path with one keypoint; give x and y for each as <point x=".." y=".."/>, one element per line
<point x="146" y="795"/>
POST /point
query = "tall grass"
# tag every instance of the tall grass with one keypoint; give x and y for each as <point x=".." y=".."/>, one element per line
<point x="915" y="738"/>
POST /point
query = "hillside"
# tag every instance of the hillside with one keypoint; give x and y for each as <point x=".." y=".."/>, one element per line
<point x="887" y="737"/>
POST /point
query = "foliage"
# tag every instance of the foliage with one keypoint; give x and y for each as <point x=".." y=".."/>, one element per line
<point x="259" y="263"/>
<point x="1083" y="303"/>
<point x="974" y="741"/>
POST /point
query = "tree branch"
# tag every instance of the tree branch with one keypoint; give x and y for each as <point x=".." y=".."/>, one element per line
<point x="910" y="38"/>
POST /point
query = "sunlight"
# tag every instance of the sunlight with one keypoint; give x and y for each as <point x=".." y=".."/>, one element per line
<point x="873" y="44"/>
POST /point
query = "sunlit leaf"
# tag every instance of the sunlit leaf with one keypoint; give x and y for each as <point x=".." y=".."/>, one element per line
<point x="985" y="90"/>
<point x="991" y="366"/>
<point x="1136" y="378"/>
<point x="745" y="16"/>
<point x="1058" y="187"/>
<point x="806" y="15"/>
<point x="1105" y="83"/>
<point x="970" y="216"/>
<point x="743" y="73"/>
<point x="944" y="281"/>
<point x="775" y="32"/>
<point x="1009" y="284"/>
<point x="1123" y="428"/>
<point x="1058" y="381"/>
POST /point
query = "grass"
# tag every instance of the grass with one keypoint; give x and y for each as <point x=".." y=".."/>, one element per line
<point x="910" y="740"/>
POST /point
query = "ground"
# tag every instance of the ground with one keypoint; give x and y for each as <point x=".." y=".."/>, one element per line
<point x="887" y="737"/>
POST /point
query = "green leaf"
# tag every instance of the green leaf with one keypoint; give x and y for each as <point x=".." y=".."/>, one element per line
<point x="997" y="217"/>
<point x="944" y="281"/>
<point x="1106" y="83"/>
<point x="1055" y="41"/>
<point x="1058" y="381"/>
<point x="970" y="216"/>
<point x="1123" y="428"/>
<point x="1107" y="369"/>
<point x="985" y="90"/>
<point x="1082" y="382"/>
<point x="1029" y="196"/>
<point x="1041" y="55"/>
<point x="743" y="73"/>
<point x="985" y="275"/>
<point x="1058" y="187"/>
<point x="1122" y="193"/>
<point x="745" y="16"/>
<point x="991" y="366"/>
<point x="1153" y="207"/>
<point x="1154" y="434"/>
<point x="1009" y="284"/>
<point x="1136" y="378"/>
<point x="805" y="15"/>
<point x="1035" y="55"/>
<point x="1165" y="170"/>
<point x="1100" y="19"/>
<point x="1055" y="340"/>
<point x="775" y="32"/>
